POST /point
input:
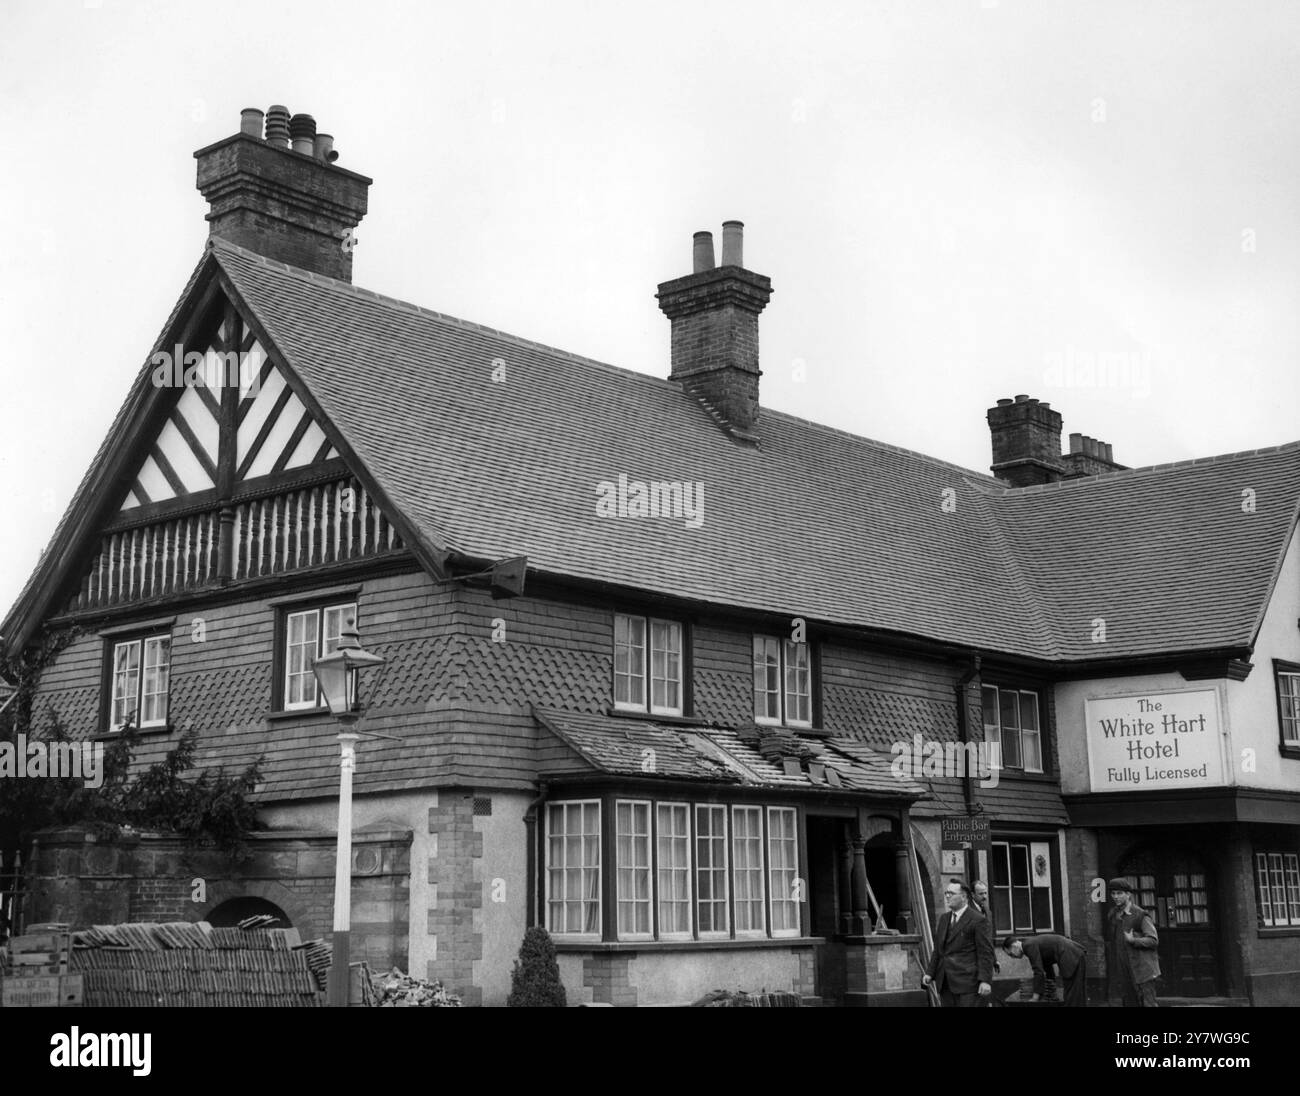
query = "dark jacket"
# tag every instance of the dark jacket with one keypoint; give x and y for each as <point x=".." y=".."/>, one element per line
<point x="964" y="960"/>
<point x="1140" y="956"/>
<point x="1047" y="950"/>
<point x="988" y="929"/>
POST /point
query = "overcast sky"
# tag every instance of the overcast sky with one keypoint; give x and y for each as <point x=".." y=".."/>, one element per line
<point x="956" y="201"/>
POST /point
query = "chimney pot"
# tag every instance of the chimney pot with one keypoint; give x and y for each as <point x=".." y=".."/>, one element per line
<point x="250" y="122"/>
<point x="302" y="129"/>
<point x="1076" y="442"/>
<point x="1022" y="399"/>
<point x="277" y="126"/>
<point x="1108" y="452"/>
<point x="1005" y="403"/>
<point x="733" y="243"/>
<point x="702" y="252"/>
<point x="323" y="148"/>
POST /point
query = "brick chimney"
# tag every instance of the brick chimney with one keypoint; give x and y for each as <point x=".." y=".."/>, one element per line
<point x="1026" y="442"/>
<point x="1089" y="457"/>
<point x="714" y="313"/>
<point x="287" y="203"/>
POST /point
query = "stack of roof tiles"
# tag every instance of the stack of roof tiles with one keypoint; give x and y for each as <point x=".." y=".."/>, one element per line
<point x="184" y="965"/>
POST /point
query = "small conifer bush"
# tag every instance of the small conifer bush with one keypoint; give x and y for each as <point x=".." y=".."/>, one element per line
<point x="535" y="980"/>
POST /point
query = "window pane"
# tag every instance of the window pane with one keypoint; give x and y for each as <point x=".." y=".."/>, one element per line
<point x="798" y="683"/>
<point x="666" y="667"/>
<point x="1031" y="741"/>
<point x="673" y="844"/>
<point x="573" y="867"/>
<point x="1041" y="900"/>
<point x="767" y="678"/>
<point x="335" y="618"/>
<point x="783" y="866"/>
<point x="632" y="864"/>
<point x="1001" y="889"/>
<point x="1264" y="891"/>
<point x="747" y="868"/>
<point x="992" y="732"/>
<point x="299" y="681"/>
<point x="1293" y="887"/>
<point x="711" y="868"/>
<point x="126" y="681"/>
<point x="1009" y="715"/>
<point x="157" y="664"/>
<point x="1021" y="907"/>
<point x="629" y="661"/>
<point x="1289" y="688"/>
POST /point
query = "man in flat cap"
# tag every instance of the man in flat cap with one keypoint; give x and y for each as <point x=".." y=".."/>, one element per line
<point x="1132" y="965"/>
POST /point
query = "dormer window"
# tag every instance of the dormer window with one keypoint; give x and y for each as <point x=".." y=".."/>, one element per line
<point x="782" y="682"/>
<point x="647" y="665"/>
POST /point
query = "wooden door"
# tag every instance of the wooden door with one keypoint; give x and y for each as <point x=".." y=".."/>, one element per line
<point x="1175" y="887"/>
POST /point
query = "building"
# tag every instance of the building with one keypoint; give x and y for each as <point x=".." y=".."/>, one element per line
<point x="760" y="668"/>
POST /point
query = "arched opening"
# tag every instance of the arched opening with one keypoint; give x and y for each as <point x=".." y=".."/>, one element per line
<point x="234" y="910"/>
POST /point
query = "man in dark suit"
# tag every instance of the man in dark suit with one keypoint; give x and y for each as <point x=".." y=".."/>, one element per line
<point x="961" y="966"/>
<point x="981" y="903"/>
<point x="1050" y="950"/>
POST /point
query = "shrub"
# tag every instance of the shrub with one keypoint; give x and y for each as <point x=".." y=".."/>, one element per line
<point x="535" y="980"/>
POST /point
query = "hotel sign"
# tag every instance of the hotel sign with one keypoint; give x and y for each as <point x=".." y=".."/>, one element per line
<point x="1153" y="741"/>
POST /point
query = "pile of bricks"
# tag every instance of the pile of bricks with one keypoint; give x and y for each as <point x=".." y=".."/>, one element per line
<point x="184" y="965"/>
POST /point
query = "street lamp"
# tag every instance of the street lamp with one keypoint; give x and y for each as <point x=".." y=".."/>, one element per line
<point x="337" y="674"/>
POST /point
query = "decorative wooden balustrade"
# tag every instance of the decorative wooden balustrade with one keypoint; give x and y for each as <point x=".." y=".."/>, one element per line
<point x="298" y="529"/>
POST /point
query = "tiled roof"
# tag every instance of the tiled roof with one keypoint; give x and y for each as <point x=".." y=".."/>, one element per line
<point x="638" y="747"/>
<point x="1174" y="557"/>
<point x="816" y="523"/>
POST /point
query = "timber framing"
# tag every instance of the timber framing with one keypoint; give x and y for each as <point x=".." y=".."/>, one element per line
<point x="207" y="300"/>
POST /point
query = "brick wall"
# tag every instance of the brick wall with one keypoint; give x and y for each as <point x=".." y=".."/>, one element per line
<point x="455" y="877"/>
<point x="608" y="977"/>
<point x="84" y="881"/>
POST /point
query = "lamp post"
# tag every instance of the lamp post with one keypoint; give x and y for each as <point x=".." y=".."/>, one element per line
<point x="337" y="674"/>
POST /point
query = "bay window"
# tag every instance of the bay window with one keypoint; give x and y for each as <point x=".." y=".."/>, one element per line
<point x="680" y="871"/>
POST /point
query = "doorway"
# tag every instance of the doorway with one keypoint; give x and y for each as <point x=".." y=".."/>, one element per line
<point x="1175" y="886"/>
